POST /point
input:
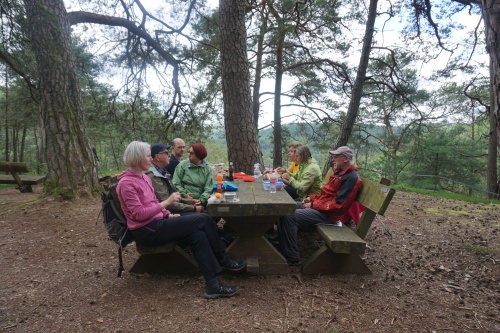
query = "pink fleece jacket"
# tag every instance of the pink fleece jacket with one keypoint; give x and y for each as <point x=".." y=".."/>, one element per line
<point x="138" y="200"/>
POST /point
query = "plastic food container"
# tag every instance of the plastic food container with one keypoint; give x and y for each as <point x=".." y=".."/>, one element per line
<point x="279" y="185"/>
<point x="266" y="185"/>
<point x="230" y="196"/>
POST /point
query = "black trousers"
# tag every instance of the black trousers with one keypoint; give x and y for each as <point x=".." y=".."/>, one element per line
<point x="196" y="230"/>
<point x="292" y="192"/>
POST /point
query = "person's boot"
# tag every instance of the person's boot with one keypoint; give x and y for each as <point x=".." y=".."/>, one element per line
<point x="231" y="264"/>
<point x="215" y="289"/>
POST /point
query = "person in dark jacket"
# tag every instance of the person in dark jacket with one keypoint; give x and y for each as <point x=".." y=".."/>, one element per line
<point x="326" y="207"/>
<point x="162" y="181"/>
<point x="178" y="150"/>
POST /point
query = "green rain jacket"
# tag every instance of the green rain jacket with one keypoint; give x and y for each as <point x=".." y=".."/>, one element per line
<point x="308" y="179"/>
<point x="194" y="179"/>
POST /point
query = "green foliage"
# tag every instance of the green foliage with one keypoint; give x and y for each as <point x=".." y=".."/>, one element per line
<point x="447" y="152"/>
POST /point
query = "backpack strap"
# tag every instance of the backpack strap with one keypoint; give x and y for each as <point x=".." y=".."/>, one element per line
<point x="120" y="262"/>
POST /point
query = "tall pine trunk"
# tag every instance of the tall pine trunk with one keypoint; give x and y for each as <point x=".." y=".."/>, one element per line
<point x="357" y="89"/>
<point x="491" y="16"/>
<point x="241" y="131"/>
<point x="65" y="144"/>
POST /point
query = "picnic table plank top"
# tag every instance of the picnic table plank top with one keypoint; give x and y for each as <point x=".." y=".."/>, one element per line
<point x="254" y="201"/>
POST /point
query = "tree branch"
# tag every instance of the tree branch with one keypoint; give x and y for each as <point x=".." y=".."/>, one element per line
<point x="31" y="85"/>
<point x="87" y="17"/>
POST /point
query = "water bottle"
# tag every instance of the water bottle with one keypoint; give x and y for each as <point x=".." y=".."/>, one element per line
<point x="256" y="170"/>
<point x="272" y="181"/>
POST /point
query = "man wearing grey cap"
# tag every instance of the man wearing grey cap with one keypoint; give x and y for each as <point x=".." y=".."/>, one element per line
<point x="162" y="182"/>
<point x="327" y="207"/>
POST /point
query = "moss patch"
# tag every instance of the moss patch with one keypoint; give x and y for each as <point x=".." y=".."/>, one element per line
<point x="479" y="248"/>
<point x="441" y="212"/>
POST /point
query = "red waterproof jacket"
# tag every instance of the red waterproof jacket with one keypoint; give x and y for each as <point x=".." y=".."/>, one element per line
<point x="337" y="195"/>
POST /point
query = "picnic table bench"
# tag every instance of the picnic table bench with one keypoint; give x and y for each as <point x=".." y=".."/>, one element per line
<point x="24" y="182"/>
<point x="343" y="246"/>
<point x="163" y="259"/>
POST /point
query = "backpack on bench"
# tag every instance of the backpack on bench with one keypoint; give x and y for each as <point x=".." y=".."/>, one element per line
<point x="114" y="221"/>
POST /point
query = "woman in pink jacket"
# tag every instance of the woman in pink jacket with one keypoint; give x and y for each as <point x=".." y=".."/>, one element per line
<point x="151" y="224"/>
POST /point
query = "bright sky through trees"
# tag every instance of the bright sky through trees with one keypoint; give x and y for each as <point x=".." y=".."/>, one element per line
<point x="390" y="38"/>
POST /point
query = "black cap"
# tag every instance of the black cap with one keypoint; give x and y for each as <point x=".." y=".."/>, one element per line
<point x="158" y="147"/>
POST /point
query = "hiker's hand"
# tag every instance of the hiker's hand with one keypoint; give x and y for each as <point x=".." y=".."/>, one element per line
<point x="285" y="178"/>
<point x="199" y="209"/>
<point x="173" y="215"/>
<point x="188" y="195"/>
<point x="173" y="198"/>
<point x="196" y="202"/>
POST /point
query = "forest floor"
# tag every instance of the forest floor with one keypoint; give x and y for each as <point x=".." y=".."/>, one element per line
<point x="435" y="264"/>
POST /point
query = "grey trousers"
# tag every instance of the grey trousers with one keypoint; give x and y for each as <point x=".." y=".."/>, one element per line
<point x="288" y="227"/>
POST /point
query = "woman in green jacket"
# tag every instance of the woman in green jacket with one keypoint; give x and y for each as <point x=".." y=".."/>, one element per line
<point x="193" y="177"/>
<point x="308" y="179"/>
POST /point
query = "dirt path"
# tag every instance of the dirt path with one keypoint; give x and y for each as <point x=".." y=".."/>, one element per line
<point x="435" y="263"/>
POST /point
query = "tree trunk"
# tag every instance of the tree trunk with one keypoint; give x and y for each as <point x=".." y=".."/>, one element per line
<point x="357" y="90"/>
<point x="6" y="115"/>
<point x="65" y="143"/>
<point x="241" y="132"/>
<point x="15" y="143"/>
<point x="491" y="16"/>
<point x="22" y="145"/>
<point x="277" y="154"/>
<point x="258" y="67"/>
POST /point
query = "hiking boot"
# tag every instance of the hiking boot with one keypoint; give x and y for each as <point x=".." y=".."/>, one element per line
<point x="232" y="264"/>
<point x="220" y="290"/>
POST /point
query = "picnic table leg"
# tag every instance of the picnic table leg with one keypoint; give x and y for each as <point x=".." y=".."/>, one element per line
<point x="25" y="189"/>
<point x="262" y="257"/>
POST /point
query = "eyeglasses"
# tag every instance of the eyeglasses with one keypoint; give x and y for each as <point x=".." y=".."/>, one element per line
<point x="164" y="152"/>
<point x="337" y="156"/>
<point x="191" y="152"/>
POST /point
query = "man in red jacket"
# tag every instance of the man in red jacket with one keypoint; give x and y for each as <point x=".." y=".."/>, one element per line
<point x="327" y="207"/>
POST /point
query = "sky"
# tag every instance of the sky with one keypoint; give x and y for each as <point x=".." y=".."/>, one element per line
<point x="390" y="38"/>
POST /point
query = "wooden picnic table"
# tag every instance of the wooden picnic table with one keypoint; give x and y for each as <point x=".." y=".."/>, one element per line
<point x="251" y="217"/>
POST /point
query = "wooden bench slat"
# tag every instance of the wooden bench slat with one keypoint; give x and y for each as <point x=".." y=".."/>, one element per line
<point x="26" y="179"/>
<point x="13" y="166"/>
<point x="341" y="239"/>
<point x="375" y="196"/>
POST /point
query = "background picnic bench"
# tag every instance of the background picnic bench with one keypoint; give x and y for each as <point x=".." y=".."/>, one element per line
<point x="24" y="182"/>
<point x="343" y="246"/>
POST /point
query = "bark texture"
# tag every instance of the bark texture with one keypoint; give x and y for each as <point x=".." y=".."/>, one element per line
<point x="357" y="90"/>
<point x="241" y="131"/>
<point x="491" y="16"/>
<point x="65" y="143"/>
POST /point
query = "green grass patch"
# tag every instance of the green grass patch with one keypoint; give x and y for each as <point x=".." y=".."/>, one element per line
<point x="446" y="195"/>
<point x="479" y="248"/>
<point x="441" y="212"/>
<point x="7" y="185"/>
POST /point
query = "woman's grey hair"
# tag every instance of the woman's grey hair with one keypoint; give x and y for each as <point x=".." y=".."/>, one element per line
<point x="135" y="152"/>
<point x="304" y="152"/>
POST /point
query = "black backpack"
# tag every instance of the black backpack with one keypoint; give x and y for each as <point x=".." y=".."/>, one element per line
<point x="115" y="222"/>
